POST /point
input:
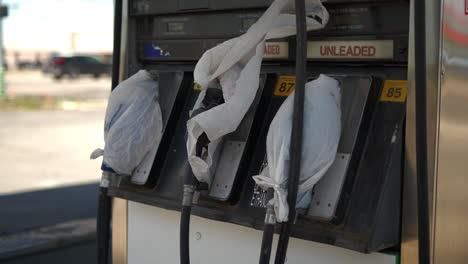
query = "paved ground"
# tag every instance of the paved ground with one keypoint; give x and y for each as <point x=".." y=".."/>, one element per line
<point x="36" y="83"/>
<point x="46" y="177"/>
<point x="46" y="149"/>
<point x="76" y="254"/>
<point x="47" y="207"/>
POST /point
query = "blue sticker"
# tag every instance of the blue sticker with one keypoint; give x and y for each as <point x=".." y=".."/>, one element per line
<point x="154" y="51"/>
<point x="105" y="167"/>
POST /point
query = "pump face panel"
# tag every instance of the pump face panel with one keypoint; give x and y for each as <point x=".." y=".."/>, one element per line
<point x="357" y="204"/>
<point x="326" y="194"/>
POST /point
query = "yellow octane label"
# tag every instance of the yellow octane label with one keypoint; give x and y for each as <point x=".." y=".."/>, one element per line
<point x="394" y="91"/>
<point x="285" y="85"/>
<point x="196" y="86"/>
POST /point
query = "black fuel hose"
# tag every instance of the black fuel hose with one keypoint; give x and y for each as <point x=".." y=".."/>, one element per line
<point x="268" y="230"/>
<point x="103" y="231"/>
<point x="184" y="234"/>
<point x="117" y="43"/>
<point x="421" y="131"/>
<point x="267" y="240"/>
<point x="185" y="212"/>
<point x="213" y="97"/>
<point x="296" y="133"/>
<point x="103" y="226"/>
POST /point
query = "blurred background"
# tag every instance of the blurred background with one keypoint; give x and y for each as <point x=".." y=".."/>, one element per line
<point x="54" y="86"/>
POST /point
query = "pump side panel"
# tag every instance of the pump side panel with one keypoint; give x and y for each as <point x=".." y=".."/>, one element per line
<point x="451" y="182"/>
<point x="153" y="237"/>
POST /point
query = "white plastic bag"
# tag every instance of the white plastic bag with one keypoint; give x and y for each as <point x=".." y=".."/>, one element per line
<point x="322" y="129"/>
<point x="132" y="127"/>
<point x="235" y="64"/>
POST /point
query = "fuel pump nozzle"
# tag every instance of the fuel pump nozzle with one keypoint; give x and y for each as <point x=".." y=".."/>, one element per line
<point x="213" y="97"/>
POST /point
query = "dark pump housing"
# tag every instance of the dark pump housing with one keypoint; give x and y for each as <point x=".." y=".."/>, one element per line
<point x="357" y="204"/>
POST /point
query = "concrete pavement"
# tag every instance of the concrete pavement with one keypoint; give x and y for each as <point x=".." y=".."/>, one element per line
<point x="48" y="149"/>
<point x="36" y="83"/>
<point x="79" y="253"/>
<point x="51" y="148"/>
<point x="46" y="177"/>
<point x="40" y="241"/>
<point x="25" y="211"/>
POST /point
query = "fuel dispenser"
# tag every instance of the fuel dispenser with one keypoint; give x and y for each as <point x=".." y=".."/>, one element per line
<point x="357" y="204"/>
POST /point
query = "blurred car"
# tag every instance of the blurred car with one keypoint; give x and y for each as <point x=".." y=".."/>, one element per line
<point x="48" y="64"/>
<point x="75" y="66"/>
<point x="25" y="65"/>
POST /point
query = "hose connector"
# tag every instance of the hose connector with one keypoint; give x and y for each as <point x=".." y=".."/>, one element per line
<point x="105" y="179"/>
<point x="188" y="194"/>
<point x="270" y="218"/>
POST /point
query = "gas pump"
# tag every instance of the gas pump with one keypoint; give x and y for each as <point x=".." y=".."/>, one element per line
<point x="357" y="204"/>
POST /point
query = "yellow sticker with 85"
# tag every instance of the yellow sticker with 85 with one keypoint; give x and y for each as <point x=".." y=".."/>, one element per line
<point x="394" y="91"/>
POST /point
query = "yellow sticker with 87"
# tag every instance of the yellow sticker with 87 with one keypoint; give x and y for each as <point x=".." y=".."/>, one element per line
<point x="285" y="85"/>
<point x="394" y="91"/>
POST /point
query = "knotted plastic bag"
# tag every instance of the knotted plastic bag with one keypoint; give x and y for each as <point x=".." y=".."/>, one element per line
<point x="132" y="127"/>
<point x="235" y="65"/>
<point x="321" y="134"/>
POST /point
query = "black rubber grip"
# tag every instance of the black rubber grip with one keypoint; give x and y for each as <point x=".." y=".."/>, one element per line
<point x="267" y="240"/>
<point x="185" y="235"/>
<point x="103" y="226"/>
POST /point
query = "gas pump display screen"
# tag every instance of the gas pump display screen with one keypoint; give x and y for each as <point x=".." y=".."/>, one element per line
<point x="362" y="18"/>
<point x="350" y="18"/>
<point x="345" y="19"/>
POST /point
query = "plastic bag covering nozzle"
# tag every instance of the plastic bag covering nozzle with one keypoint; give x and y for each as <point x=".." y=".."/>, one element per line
<point x="213" y="97"/>
<point x="235" y="66"/>
<point x="132" y="127"/>
<point x="322" y="130"/>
